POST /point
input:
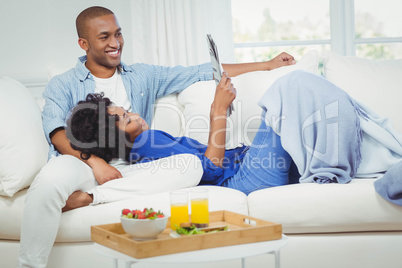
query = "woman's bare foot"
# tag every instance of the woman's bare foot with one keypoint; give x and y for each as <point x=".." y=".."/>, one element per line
<point x="77" y="199"/>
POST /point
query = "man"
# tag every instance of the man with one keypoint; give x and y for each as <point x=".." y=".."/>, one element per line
<point x="135" y="88"/>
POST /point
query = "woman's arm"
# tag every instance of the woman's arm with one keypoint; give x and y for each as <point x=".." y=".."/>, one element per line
<point x="224" y="95"/>
<point x="283" y="59"/>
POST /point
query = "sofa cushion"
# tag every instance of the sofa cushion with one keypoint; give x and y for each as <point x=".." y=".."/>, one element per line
<point x="245" y="120"/>
<point x="11" y="211"/>
<point x="75" y="225"/>
<point x="23" y="147"/>
<point x="319" y="208"/>
<point x="376" y="84"/>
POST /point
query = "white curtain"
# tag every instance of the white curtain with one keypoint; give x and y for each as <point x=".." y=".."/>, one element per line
<point x="173" y="32"/>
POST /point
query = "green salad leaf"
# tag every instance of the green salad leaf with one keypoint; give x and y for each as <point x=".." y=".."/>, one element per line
<point x="189" y="230"/>
<point x="192" y="230"/>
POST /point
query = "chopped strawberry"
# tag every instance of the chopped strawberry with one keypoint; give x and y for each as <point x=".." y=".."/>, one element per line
<point x="125" y="211"/>
<point x="141" y="216"/>
<point x="137" y="211"/>
<point x="151" y="214"/>
<point x="147" y="213"/>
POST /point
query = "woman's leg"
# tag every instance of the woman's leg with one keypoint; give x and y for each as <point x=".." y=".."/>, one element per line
<point x="266" y="164"/>
<point x="319" y="126"/>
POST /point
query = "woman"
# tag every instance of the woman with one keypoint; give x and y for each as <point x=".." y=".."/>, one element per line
<point x="97" y="127"/>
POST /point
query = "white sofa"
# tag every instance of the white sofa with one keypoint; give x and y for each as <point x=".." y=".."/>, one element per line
<point x="328" y="225"/>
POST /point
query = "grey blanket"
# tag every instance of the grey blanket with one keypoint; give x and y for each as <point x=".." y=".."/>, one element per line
<point x="319" y="126"/>
<point x="390" y="185"/>
<point x="332" y="137"/>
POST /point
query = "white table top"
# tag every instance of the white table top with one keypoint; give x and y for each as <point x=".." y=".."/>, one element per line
<point x="204" y="255"/>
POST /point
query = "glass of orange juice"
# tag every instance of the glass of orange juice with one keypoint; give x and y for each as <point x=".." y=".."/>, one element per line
<point x="178" y="208"/>
<point x="199" y="207"/>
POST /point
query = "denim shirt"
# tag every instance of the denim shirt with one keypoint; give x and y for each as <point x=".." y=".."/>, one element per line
<point x="143" y="83"/>
<point x="151" y="145"/>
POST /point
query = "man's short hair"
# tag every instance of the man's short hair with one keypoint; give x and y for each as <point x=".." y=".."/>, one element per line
<point x="86" y="15"/>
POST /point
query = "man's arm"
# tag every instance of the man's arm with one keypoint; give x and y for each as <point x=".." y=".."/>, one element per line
<point x="58" y="98"/>
<point x="103" y="172"/>
<point x="283" y="59"/>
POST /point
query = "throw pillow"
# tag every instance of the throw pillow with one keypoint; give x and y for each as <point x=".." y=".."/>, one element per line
<point x="377" y="84"/>
<point x="245" y="120"/>
<point x="23" y="146"/>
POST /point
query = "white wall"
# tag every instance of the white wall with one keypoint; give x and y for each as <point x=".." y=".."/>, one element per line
<point x="41" y="34"/>
<point x="38" y="33"/>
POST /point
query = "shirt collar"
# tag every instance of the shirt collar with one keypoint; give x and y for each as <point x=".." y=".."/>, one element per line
<point x="83" y="73"/>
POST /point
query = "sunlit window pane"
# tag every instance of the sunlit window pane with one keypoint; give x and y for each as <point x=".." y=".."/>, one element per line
<point x="376" y="18"/>
<point x="380" y="51"/>
<point x="273" y="20"/>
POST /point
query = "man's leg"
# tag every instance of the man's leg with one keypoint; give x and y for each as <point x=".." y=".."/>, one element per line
<point x="166" y="174"/>
<point x="162" y="175"/>
<point x="46" y="197"/>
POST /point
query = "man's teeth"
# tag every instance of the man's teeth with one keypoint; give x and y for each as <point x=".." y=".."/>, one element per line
<point x="113" y="52"/>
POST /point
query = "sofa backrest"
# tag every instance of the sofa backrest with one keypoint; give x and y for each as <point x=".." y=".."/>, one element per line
<point x="377" y="84"/>
<point x="193" y="105"/>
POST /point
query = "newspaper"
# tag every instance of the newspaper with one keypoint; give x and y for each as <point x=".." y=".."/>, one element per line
<point x="216" y="66"/>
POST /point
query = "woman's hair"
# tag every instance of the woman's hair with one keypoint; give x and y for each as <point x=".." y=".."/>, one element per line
<point x="93" y="131"/>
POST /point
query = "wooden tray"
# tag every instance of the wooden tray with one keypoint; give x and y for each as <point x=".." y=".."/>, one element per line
<point x="242" y="229"/>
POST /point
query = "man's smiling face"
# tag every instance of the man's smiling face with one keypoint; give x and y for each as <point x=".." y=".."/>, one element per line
<point x="104" y="43"/>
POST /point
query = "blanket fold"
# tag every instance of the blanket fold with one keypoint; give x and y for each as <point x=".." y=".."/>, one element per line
<point x="326" y="131"/>
<point x="390" y="185"/>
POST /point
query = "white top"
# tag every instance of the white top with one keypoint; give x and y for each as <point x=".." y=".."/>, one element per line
<point x="113" y="88"/>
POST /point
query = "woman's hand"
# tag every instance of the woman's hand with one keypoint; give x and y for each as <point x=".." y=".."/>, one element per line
<point x="224" y="95"/>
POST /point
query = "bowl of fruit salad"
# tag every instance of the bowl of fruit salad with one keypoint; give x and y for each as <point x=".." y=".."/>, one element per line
<point x="143" y="224"/>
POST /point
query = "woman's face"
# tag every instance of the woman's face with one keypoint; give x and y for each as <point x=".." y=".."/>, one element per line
<point x="130" y="123"/>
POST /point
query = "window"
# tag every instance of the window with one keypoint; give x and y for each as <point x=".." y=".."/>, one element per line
<point x="378" y="32"/>
<point x="263" y="28"/>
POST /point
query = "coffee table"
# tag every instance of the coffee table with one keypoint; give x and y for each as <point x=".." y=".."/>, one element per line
<point x="205" y="255"/>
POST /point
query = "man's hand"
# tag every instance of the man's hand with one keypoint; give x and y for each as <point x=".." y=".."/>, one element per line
<point x="103" y="172"/>
<point x="283" y="59"/>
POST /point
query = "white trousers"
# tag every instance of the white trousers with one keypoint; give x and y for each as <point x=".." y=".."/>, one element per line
<point x="63" y="175"/>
